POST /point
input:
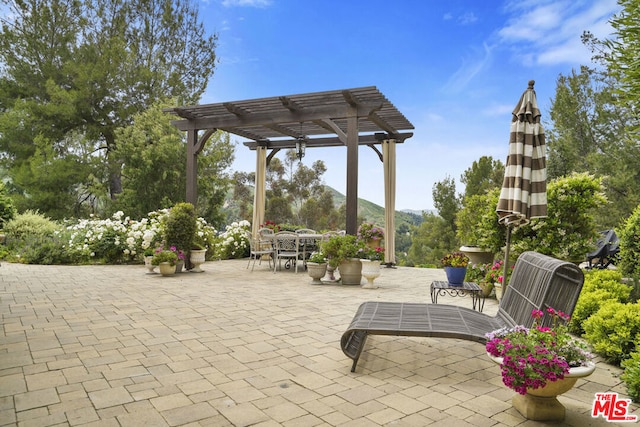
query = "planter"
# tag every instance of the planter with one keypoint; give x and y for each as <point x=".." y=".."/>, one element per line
<point x="197" y="258"/>
<point x="316" y="271"/>
<point x="455" y="275"/>
<point x="477" y="255"/>
<point x="148" y="265"/>
<point x="541" y="404"/>
<point x="486" y="288"/>
<point x="350" y="271"/>
<point x="330" y="271"/>
<point x="370" y="271"/>
<point x="374" y="243"/>
<point x="498" y="287"/>
<point x="179" y="265"/>
<point x="167" y="269"/>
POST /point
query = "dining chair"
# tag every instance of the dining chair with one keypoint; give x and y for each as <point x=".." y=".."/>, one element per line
<point x="287" y="246"/>
<point x="260" y="246"/>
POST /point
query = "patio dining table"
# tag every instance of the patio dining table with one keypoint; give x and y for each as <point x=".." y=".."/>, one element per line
<point x="307" y="243"/>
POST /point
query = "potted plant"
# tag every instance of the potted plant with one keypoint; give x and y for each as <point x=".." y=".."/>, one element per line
<point x="181" y="227"/>
<point x="316" y="267"/>
<point x="167" y="259"/>
<point x="477" y="273"/>
<point x="455" y="266"/>
<point x="370" y="259"/>
<point x="342" y="252"/>
<point x="539" y="363"/>
<point x="370" y="234"/>
<point x="148" y="257"/>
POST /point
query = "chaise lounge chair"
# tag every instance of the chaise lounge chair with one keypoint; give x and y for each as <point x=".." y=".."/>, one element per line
<point x="538" y="282"/>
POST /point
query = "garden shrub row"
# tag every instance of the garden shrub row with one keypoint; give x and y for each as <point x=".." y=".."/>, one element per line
<point x="609" y="320"/>
<point x="34" y="239"/>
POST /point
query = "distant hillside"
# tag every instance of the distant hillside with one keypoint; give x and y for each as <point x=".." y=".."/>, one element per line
<point x="375" y="213"/>
<point x="367" y="210"/>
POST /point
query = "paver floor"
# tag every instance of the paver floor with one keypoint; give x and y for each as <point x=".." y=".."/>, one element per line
<point x="114" y="346"/>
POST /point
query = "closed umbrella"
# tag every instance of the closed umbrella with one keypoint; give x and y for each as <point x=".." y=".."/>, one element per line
<point x="524" y="189"/>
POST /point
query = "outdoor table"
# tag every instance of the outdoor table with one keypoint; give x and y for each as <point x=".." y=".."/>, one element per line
<point x="444" y="288"/>
<point x="309" y="244"/>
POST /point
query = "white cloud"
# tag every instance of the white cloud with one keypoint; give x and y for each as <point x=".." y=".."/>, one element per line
<point x="468" y="70"/>
<point x="549" y="33"/>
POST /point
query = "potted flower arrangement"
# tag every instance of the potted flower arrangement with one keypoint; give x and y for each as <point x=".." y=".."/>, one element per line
<point x="167" y="259"/>
<point x="477" y="273"/>
<point x="316" y="267"/>
<point x="342" y="252"/>
<point x="539" y="363"/>
<point x="495" y="275"/>
<point x="455" y="266"/>
<point x="370" y="259"/>
<point x="370" y="234"/>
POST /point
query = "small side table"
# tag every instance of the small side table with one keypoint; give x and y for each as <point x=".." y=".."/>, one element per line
<point x="467" y="288"/>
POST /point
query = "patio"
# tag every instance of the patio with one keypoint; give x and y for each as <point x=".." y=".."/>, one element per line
<point x="113" y="346"/>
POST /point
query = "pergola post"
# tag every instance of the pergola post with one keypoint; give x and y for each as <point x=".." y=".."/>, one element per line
<point x="192" y="166"/>
<point x="352" y="171"/>
<point x="389" y="166"/>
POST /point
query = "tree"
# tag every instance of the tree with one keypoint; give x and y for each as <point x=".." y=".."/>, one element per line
<point x="431" y="241"/>
<point x="153" y="157"/>
<point x="622" y="57"/>
<point x="483" y="175"/>
<point x="79" y="70"/>
<point x="590" y="133"/>
<point x="446" y="201"/>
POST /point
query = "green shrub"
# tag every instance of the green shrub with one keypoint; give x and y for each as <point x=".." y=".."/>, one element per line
<point x="631" y="375"/>
<point x="29" y="224"/>
<point x="569" y="230"/>
<point x="630" y="245"/>
<point x="477" y="222"/>
<point x="7" y="209"/>
<point x="45" y="250"/>
<point x="181" y="226"/>
<point x="600" y="287"/>
<point x="613" y="330"/>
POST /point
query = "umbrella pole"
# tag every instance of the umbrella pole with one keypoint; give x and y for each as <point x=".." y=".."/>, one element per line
<point x="506" y="260"/>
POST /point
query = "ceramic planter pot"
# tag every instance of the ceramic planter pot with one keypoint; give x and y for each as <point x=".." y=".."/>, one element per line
<point x="316" y="271"/>
<point x="167" y="269"/>
<point x="197" y="258"/>
<point x="370" y="271"/>
<point x="350" y="271"/>
<point x="455" y="275"/>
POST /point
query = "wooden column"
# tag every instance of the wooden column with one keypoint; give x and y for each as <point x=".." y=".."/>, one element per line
<point x="352" y="171"/>
<point x="192" y="166"/>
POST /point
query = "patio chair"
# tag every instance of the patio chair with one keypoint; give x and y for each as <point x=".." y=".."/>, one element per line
<point x="606" y="252"/>
<point x="260" y="247"/>
<point x="538" y="282"/>
<point x="287" y="246"/>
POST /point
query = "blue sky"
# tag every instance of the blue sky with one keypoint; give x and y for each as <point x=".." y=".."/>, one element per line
<point x="454" y="68"/>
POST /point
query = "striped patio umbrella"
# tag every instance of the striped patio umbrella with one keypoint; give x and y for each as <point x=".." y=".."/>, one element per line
<point x="524" y="188"/>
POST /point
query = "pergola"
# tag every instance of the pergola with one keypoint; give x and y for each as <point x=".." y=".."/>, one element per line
<point x="346" y="118"/>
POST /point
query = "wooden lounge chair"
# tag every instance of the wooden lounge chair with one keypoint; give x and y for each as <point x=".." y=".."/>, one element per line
<point x="538" y="282"/>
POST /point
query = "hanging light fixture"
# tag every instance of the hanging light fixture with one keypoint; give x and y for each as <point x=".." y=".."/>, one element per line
<point x="301" y="144"/>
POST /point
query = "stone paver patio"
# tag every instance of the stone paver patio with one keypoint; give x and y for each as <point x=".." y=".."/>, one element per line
<point x="113" y="346"/>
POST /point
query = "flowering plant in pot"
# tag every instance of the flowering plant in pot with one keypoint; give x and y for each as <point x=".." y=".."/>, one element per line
<point x="455" y="259"/>
<point x="455" y="266"/>
<point x="530" y="358"/>
<point x="371" y="254"/>
<point x="170" y="255"/>
<point x="369" y="231"/>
